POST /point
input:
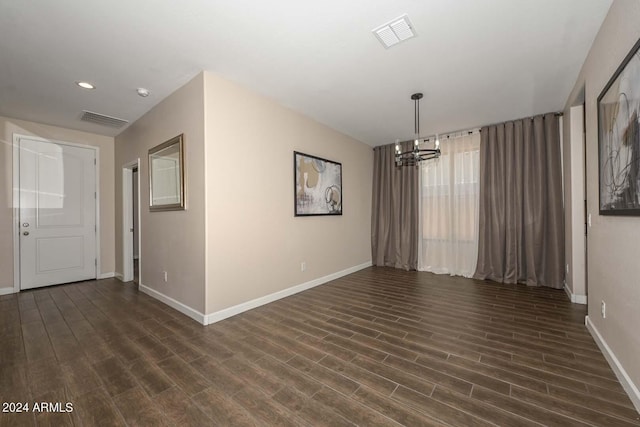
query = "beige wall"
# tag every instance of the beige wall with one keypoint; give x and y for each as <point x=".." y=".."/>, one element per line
<point x="254" y="243"/>
<point x="614" y="241"/>
<point x="9" y="127"/>
<point x="172" y="241"/>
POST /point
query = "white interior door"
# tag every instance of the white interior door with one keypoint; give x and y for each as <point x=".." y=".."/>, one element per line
<point x="57" y="213"/>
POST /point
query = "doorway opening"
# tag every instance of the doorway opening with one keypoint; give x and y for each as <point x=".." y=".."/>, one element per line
<point x="131" y="252"/>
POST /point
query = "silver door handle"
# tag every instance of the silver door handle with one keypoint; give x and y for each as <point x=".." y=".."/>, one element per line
<point x="26" y="233"/>
<point x="25" y="224"/>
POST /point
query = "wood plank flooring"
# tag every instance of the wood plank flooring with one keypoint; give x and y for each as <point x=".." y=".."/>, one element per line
<point x="378" y="347"/>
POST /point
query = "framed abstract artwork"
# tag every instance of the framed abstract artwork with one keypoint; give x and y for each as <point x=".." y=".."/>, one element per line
<point x="619" y="139"/>
<point x="317" y="185"/>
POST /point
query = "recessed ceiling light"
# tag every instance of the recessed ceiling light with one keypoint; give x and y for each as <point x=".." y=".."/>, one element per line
<point x="85" y="85"/>
<point x="143" y="92"/>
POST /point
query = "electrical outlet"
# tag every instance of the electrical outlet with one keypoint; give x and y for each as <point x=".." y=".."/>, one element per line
<point x="603" y="309"/>
<point x="165" y="276"/>
<point x="303" y="266"/>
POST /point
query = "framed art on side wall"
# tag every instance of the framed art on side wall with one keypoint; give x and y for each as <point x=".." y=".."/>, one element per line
<point x="619" y="139"/>
<point x="317" y="185"/>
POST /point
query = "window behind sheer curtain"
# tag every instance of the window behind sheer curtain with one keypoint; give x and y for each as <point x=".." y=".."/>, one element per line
<point x="449" y="195"/>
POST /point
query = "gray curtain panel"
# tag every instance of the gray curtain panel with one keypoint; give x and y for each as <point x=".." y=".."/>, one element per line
<point x="521" y="208"/>
<point x="395" y="209"/>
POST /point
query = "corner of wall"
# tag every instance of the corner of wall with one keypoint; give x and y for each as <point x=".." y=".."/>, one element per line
<point x="171" y="241"/>
<point x="575" y="298"/>
<point x="173" y="303"/>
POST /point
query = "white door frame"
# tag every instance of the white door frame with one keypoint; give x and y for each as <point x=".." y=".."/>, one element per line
<point x="127" y="221"/>
<point x="16" y="201"/>
<point x="576" y="260"/>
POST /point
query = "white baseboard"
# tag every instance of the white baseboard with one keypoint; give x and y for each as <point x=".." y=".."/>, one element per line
<point x="237" y="309"/>
<point x="106" y="275"/>
<point x="618" y="369"/>
<point x="576" y="299"/>
<point x="119" y="276"/>
<point x="245" y="306"/>
<point x="182" y="308"/>
<point x="7" y="291"/>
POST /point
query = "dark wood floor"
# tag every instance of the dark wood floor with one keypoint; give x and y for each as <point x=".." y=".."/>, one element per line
<point x="378" y="347"/>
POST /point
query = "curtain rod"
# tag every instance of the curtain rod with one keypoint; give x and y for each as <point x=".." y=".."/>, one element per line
<point x="447" y="135"/>
<point x="454" y="134"/>
<point x="555" y="113"/>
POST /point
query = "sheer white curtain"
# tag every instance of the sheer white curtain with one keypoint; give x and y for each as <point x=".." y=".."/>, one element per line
<point x="449" y="197"/>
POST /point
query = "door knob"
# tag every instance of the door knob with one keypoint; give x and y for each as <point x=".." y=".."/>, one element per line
<point x="26" y="233"/>
<point x="25" y="224"/>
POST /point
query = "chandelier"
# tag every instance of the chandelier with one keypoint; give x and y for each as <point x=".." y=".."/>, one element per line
<point x="414" y="156"/>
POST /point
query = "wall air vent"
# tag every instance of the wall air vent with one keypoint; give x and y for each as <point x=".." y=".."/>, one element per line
<point x="101" y="119"/>
<point x="395" y="31"/>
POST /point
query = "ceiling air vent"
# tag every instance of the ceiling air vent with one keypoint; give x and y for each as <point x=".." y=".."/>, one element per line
<point x="395" y="31"/>
<point x="101" y="119"/>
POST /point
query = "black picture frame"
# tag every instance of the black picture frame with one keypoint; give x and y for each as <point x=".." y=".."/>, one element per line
<point x="317" y="185"/>
<point x="619" y="139"/>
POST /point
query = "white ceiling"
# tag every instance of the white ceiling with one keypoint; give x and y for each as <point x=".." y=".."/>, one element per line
<point x="476" y="61"/>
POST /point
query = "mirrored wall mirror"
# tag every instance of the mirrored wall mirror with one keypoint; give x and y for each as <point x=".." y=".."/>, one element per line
<point x="166" y="176"/>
